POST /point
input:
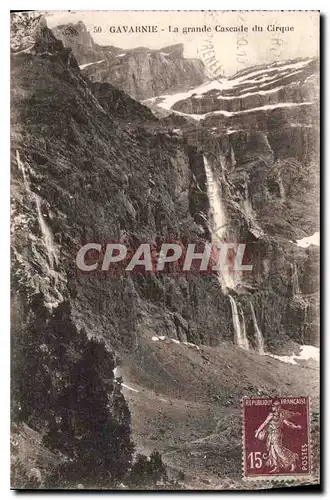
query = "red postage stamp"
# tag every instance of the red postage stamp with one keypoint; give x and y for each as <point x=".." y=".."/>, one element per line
<point x="276" y="437"/>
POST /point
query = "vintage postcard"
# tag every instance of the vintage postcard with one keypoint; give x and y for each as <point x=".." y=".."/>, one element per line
<point x="165" y="250"/>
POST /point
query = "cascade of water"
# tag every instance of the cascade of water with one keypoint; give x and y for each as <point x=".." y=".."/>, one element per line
<point x="236" y="323"/>
<point x="305" y="320"/>
<point x="232" y="157"/>
<point x="240" y="332"/>
<point x="21" y="166"/>
<point x="281" y="188"/>
<point x="53" y="292"/>
<point x="218" y="216"/>
<point x="47" y="235"/>
<point x="46" y="232"/>
<point x="218" y="221"/>
<point x="258" y="335"/>
<point x="246" y="202"/>
<point x="295" y="281"/>
<point x="244" y="340"/>
<point x="218" y="231"/>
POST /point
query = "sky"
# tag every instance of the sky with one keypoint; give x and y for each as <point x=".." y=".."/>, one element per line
<point x="232" y="51"/>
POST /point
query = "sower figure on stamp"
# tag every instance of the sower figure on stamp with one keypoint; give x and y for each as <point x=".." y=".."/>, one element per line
<point x="278" y="456"/>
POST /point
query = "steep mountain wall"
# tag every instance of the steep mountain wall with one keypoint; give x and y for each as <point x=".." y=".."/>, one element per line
<point x="90" y="179"/>
<point x="87" y="178"/>
<point x="265" y="123"/>
<point x="140" y="72"/>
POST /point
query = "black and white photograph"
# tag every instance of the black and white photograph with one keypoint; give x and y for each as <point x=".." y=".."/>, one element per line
<point x="165" y="250"/>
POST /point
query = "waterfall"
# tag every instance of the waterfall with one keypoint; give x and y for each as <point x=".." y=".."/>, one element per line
<point x="240" y="332"/>
<point x="218" y="224"/>
<point x="232" y="158"/>
<point x="258" y="335"/>
<point x="281" y="188"/>
<point x="51" y="281"/>
<point x="295" y="281"/>
<point x="305" y="321"/>
<point x="47" y="235"/>
<point x="236" y="323"/>
<point x="21" y="166"/>
<point x="218" y="216"/>
<point x="218" y="229"/>
<point x="246" y="202"/>
<point x="46" y="232"/>
<point x="54" y="294"/>
<point x="249" y="213"/>
<point x="243" y="341"/>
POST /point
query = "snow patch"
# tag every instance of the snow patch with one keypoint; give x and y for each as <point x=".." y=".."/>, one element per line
<point x="190" y="344"/>
<point x="283" y="68"/>
<point x="82" y="66"/>
<point x="231" y="131"/>
<point x="309" y="352"/>
<point x="264" y="76"/>
<point x="285" y="359"/>
<point x="129" y="388"/>
<point x="306" y="352"/>
<point x="115" y="374"/>
<point x="168" y="100"/>
<point x="300" y="125"/>
<point x="278" y="78"/>
<point x="267" y="107"/>
<point x="248" y="94"/>
<point x="314" y="239"/>
<point x="175" y="341"/>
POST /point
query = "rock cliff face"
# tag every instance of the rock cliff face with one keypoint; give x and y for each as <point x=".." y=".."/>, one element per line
<point x="140" y="72"/>
<point x="263" y="125"/>
<point x="81" y="173"/>
<point x="91" y="164"/>
<point x="84" y="172"/>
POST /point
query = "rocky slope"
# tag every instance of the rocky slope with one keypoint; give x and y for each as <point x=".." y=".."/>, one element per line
<point x="140" y="72"/>
<point x="91" y="164"/>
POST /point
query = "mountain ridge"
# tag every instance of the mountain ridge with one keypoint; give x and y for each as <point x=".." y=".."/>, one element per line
<point x="141" y="72"/>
